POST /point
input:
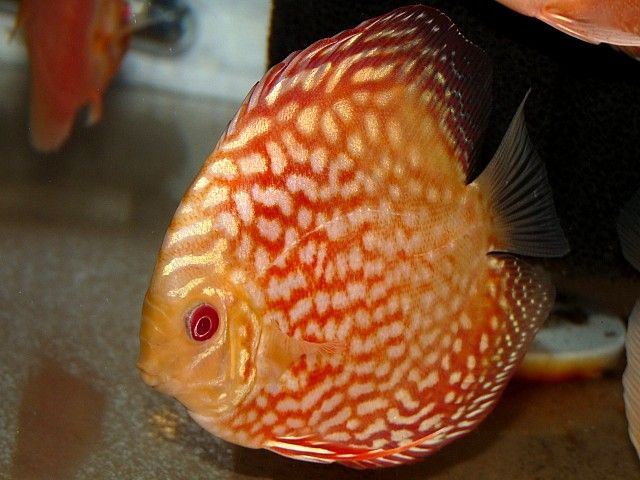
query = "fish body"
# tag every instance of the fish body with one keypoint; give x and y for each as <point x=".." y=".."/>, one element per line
<point x="75" y="48"/>
<point x="629" y="232"/>
<point x="631" y="378"/>
<point x="334" y="286"/>
<point x="615" y="22"/>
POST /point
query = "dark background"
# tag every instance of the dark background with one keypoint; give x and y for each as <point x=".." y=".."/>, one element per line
<point x="582" y="113"/>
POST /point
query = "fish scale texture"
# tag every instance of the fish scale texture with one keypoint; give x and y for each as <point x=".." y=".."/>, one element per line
<point x="582" y="114"/>
<point x="334" y="223"/>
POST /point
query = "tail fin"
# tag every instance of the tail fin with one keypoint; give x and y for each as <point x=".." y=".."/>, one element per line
<point x="525" y="219"/>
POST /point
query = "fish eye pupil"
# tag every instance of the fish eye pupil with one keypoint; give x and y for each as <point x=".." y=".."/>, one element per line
<point x="203" y="326"/>
<point x="203" y="322"/>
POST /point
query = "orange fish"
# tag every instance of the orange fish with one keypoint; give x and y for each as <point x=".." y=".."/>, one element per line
<point x="616" y="22"/>
<point x="75" y="49"/>
<point x="629" y="231"/>
<point x="333" y="286"/>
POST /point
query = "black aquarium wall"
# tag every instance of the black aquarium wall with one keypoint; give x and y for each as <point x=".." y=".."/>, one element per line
<point x="583" y="113"/>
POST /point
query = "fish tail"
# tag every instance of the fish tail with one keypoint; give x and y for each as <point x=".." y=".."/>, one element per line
<point x="519" y="197"/>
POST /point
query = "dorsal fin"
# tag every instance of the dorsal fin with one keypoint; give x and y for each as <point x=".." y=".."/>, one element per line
<point x="415" y="46"/>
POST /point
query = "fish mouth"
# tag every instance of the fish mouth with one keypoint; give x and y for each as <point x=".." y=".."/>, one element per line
<point x="149" y="378"/>
<point x="159" y="382"/>
<point x="146" y="364"/>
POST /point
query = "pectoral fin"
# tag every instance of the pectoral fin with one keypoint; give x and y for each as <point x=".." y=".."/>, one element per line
<point x="280" y="351"/>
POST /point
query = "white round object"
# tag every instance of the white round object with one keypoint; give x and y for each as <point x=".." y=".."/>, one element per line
<point x="565" y="349"/>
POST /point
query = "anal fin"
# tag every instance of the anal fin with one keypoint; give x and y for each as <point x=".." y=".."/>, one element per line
<point x="360" y="458"/>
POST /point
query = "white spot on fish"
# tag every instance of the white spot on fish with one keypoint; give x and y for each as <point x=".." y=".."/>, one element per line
<point x="272" y="196"/>
<point x="269" y="228"/>
<point x="296" y="150"/>
<point x="318" y="160"/>
<point x="371" y="126"/>
<point x="287" y="112"/>
<point x="379" y="425"/>
<point x="344" y="110"/>
<point x="369" y="406"/>
<point x="307" y="120"/>
<point x="223" y="169"/>
<point x="305" y="217"/>
<point x="244" y="206"/>
<point x="300" y="309"/>
<point x="355" y="145"/>
<point x="227" y="223"/>
<point x="252" y="164"/>
<point x="329" y="127"/>
<point x="255" y="128"/>
<point x="372" y="74"/>
<point x="277" y="157"/>
<point x="301" y="183"/>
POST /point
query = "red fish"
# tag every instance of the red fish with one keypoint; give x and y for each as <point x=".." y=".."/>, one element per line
<point x="616" y="22"/>
<point x="629" y="231"/>
<point x="75" y="49"/>
<point x="334" y="286"/>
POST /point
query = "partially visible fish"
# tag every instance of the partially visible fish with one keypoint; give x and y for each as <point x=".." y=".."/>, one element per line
<point x="75" y="49"/>
<point x="337" y="285"/>
<point x="616" y="22"/>
<point x="629" y="232"/>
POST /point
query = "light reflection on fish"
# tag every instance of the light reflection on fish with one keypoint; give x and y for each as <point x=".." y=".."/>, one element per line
<point x="75" y="49"/>
<point x="334" y="286"/>
<point x="616" y="22"/>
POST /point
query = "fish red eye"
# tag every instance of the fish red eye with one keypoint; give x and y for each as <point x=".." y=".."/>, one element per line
<point x="203" y="322"/>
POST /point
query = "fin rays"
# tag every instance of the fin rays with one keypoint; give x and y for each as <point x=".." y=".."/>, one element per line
<point x="516" y="181"/>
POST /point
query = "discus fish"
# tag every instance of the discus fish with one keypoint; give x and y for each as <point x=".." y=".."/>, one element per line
<point x="75" y="49"/>
<point x="629" y="232"/>
<point x="335" y="286"/>
<point x="616" y="22"/>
